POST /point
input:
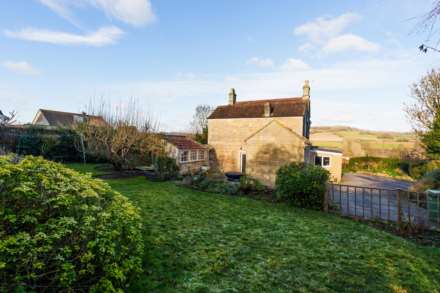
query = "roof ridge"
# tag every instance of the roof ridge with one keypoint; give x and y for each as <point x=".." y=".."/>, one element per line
<point x="71" y="113"/>
<point x="287" y="99"/>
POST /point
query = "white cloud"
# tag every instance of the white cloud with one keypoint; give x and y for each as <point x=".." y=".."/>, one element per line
<point x="295" y="64"/>
<point x="21" y="67"/>
<point x="349" y="88"/>
<point x="261" y="62"/>
<point x="348" y="91"/>
<point x="306" y="47"/>
<point x="134" y="12"/>
<point x="60" y="8"/>
<point x="349" y="42"/>
<point x="327" y="35"/>
<point x="101" y="37"/>
<point x="321" y="29"/>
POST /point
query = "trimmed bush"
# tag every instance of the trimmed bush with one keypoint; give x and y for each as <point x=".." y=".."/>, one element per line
<point x="63" y="231"/>
<point x="303" y="185"/>
<point x="250" y="185"/>
<point x="166" y="168"/>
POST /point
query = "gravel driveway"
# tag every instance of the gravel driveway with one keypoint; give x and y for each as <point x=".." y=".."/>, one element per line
<point x="378" y="200"/>
<point x="374" y="181"/>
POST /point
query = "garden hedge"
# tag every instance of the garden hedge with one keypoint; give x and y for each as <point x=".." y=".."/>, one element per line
<point x="63" y="231"/>
<point x="302" y="184"/>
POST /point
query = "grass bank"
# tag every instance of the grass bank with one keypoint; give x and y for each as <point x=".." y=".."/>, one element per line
<point x="201" y="242"/>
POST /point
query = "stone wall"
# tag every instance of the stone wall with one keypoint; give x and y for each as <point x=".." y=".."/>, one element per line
<point x="271" y="148"/>
<point x="227" y="136"/>
<point x="267" y="142"/>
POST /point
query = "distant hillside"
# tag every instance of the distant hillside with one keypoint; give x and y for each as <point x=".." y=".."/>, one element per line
<point x="358" y="142"/>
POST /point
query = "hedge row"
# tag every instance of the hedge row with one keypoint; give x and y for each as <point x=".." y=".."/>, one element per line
<point x="53" y="144"/>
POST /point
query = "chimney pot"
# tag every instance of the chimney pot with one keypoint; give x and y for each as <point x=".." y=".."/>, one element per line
<point x="267" y="110"/>
<point x="306" y="90"/>
<point x="232" y="97"/>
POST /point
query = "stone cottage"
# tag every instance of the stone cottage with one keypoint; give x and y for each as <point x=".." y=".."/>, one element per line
<point x="258" y="137"/>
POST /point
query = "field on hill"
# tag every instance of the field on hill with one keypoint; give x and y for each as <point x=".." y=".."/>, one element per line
<point x="359" y="143"/>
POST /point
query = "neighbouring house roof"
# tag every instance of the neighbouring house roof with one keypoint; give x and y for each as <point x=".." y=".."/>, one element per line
<point x="183" y="142"/>
<point x="66" y="119"/>
<point x="286" y="107"/>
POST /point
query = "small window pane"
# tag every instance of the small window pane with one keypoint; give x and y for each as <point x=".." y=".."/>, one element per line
<point x="201" y="155"/>
<point x="193" y="155"/>
<point x="184" y="156"/>
<point x="326" y="161"/>
<point x="318" y="161"/>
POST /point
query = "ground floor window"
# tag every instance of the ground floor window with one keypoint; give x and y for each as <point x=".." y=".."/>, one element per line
<point x="193" y="155"/>
<point x="184" y="156"/>
<point x="201" y="155"/>
<point x="322" y="161"/>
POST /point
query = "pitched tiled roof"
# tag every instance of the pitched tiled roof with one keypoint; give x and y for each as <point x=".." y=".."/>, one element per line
<point x="287" y="107"/>
<point x="183" y="142"/>
<point x="58" y="118"/>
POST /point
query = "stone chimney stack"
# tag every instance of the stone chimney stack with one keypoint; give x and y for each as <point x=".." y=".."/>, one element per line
<point x="306" y="90"/>
<point x="232" y="97"/>
<point x="267" y="110"/>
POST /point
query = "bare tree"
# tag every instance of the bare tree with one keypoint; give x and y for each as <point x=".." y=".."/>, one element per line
<point x="428" y="25"/>
<point x="423" y="111"/>
<point x="199" y="123"/>
<point x="7" y="120"/>
<point x="128" y="139"/>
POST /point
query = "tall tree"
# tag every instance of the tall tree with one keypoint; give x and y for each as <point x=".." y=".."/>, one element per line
<point x="128" y="139"/>
<point x="423" y="112"/>
<point x="431" y="139"/>
<point x="200" y="122"/>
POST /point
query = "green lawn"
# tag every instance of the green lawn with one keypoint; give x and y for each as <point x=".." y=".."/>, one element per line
<point x="201" y="242"/>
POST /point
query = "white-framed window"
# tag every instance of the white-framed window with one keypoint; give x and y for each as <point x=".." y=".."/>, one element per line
<point x="184" y="156"/>
<point x="322" y="161"/>
<point x="193" y="155"/>
<point x="201" y="155"/>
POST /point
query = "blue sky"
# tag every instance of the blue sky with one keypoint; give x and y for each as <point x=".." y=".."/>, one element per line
<point x="360" y="56"/>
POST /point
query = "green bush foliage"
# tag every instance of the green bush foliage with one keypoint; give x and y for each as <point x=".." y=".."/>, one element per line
<point x="251" y="185"/>
<point x="166" y="168"/>
<point x="58" y="145"/>
<point x="303" y="185"/>
<point x="63" y="231"/>
<point x="219" y="186"/>
<point x="431" y="139"/>
<point x="419" y="169"/>
<point x="389" y="166"/>
<point x="203" y="182"/>
<point x="431" y="180"/>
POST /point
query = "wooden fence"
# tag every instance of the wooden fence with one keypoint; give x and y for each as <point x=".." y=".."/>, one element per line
<point x="399" y="206"/>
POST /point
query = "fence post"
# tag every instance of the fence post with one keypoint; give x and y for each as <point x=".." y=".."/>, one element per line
<point x="409" y="209"/>
<point x="399" y="209"/>
<point x="326" y="196"/>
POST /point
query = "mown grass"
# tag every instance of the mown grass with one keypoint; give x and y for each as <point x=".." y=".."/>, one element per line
<point x="201" y="242"/>
<point x="94" y="169"/>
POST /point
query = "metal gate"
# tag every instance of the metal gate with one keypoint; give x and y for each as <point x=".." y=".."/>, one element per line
<point x="391" y="205"/>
